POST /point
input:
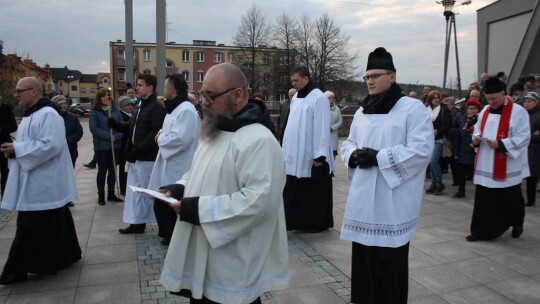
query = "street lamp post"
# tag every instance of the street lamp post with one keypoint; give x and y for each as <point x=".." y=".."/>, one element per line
<point x="451" y="25"/>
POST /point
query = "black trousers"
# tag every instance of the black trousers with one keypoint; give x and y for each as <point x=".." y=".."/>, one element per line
<point x="380" y="275"/>
<point x="531" y="189"/>
<point x="460" y="175"/>
<point x="496" y="210"/>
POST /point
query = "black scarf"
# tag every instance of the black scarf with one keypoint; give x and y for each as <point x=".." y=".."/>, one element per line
<point x="306" y="90"/>
<point x="384" y="102"/>
<point x="170" y="105"/>
<point x="254" y="112"/>
<point x="43" y="102"/>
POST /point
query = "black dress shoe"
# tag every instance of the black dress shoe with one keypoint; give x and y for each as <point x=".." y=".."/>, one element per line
<point x="131" y="229"/>
<point x="70" y="204"/>
<point x="471" y="238"/>
<point x="517" y="231"/>
<point x="113" y="198"/>
<point x="459" y="194"/>
<point x="90" y="165"/>
<point x="13" y="278"/>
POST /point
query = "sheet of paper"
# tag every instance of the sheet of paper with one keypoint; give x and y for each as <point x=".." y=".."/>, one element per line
<point x="154" y="194"/>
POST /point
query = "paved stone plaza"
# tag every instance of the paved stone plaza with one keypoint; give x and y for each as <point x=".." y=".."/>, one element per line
<point x="444" y="268"/>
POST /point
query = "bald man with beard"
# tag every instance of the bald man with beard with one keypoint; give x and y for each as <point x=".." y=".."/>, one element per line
<point x="230" y="243"/>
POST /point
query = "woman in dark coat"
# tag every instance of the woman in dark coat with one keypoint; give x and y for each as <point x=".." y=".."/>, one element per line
<point x="530" y="102"/>
<point x="442" y="122"/>
<point x="98" y="122"/>
<point x="464" y="152"/>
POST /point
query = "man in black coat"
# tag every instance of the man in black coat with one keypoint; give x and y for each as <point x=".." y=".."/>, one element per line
<point x="8" y="125"/>
<point x="141" y="152"/>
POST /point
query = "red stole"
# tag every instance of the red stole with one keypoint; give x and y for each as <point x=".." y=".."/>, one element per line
<point x="499" y="161"/>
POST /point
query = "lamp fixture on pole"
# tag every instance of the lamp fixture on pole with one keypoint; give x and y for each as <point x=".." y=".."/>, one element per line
<point x="451" y="25"/>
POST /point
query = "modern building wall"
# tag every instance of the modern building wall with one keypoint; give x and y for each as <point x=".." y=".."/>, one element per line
<point x="508" y="38"/>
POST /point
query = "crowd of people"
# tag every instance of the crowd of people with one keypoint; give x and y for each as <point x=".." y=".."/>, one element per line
<point x="240" y="182"/>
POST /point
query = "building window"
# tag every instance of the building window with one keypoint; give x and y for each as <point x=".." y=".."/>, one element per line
<point x="231" y="57"/>
<point x="186" y="75"/>
<point x="283" y="96"/>
<point x="169" y="63"/>
<point x="120" y="54"/>
<point x="92" y="90"/>
<point x="105" y="80"/>
<point x="146" y="55"/>
<point x="282" y="60"/>
<point x="121" y="75"/>
<point x="217" y="57"/>
<point x="266" y="59"/>
<point x="200" y="76"/>
<point x="83" y="90"/>
<point x="74" y="88"/>
<point x="200" y="57"/>
<point x="185" y="56"/>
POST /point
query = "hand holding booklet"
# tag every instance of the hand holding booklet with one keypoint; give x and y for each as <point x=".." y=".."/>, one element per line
<point x="155" y="194"/>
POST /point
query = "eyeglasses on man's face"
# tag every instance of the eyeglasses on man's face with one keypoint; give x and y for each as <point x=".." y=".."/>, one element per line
<point x="211" y="98"/>
<point x="19" y="91"/>
<point x="374" y="76"/>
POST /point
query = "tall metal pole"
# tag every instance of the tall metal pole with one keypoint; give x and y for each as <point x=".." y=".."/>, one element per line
<point x="457" y="57"/>
<point x="161" y="29"/>
<point x="446" y="48"/>
<point x="129" y="42"/>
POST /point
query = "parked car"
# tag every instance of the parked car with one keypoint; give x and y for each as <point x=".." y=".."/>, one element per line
<point x="79" y="110"/>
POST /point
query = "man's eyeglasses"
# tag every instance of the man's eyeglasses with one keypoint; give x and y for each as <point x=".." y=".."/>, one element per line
<point x="374" y="76"/>
<point x="210" y="98"/>
<point x="19" y="91"/>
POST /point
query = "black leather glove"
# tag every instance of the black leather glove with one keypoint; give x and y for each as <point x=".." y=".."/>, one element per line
<point x="363" y="158"/>
<point x="353" y="160"/>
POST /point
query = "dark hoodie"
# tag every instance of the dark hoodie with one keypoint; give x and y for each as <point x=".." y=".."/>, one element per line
<point x="254" y="112"/>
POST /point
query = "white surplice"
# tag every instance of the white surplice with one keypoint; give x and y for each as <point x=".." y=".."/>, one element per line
<point x="384" y="201"/>
<point x="517" y="142"/>
<point x="240" y="249"/>
<point x="177" y="143"/>
<point x="41" y="176"/>
<point x="307" y="135"/>
<point x="138" y="209"/>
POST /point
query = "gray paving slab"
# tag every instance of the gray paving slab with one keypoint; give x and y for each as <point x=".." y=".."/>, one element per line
<point x="308" y="295"/>
<point x="109" y="273"/>
<point x="45" y="297"/>
<point x="477" y="295"/>
<point x="522" y="290"/>
<point x="124" y="293"/>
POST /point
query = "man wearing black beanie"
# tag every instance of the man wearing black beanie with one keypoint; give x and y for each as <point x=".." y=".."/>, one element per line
<point x="502" y="136"/>
<point x="389" y="146"/>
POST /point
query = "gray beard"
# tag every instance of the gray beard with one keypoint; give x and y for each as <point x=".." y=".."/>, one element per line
<point x="209" y="127"/>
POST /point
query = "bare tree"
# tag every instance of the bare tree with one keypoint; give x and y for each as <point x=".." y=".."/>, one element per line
<point x="304" y="36"/>
<point x="252" y="36"/>
<point x="285" y="30"/>
<point x="322" y="48"/>
<point x="332" y="61"/>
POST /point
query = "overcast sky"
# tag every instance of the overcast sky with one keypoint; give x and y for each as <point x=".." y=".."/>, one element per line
<point x="76" y="33"/>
